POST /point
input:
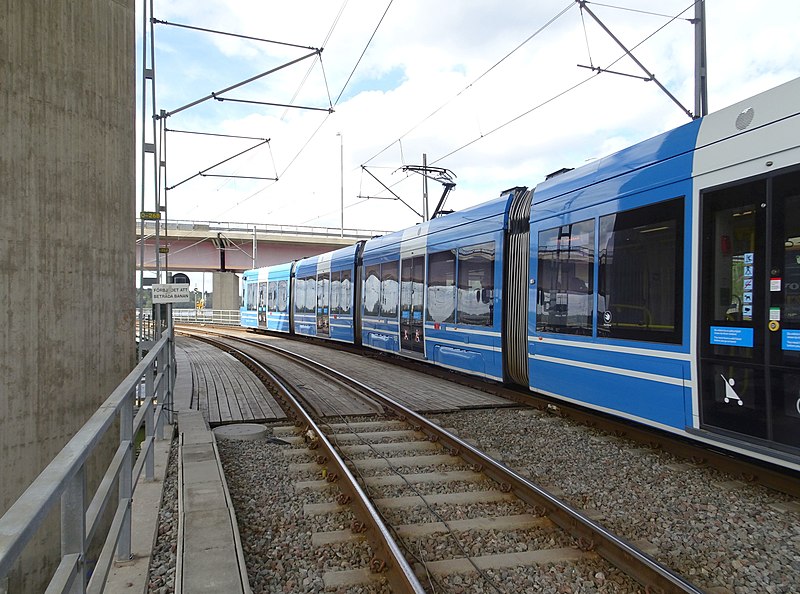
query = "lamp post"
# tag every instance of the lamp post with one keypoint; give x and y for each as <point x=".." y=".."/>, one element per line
<point x="341" y="175"/>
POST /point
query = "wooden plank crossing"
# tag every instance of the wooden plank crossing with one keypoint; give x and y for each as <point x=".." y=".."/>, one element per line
<point x="418" y="391"/>
<point x="224" y="389"/>
<point x="329" y="398"/>
<point x="227" y="392"/>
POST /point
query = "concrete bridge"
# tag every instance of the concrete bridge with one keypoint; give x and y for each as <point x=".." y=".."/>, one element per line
<point x="196" y="246"/>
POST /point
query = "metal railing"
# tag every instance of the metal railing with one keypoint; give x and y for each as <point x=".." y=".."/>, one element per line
<point x="173" y="226"/>
<point x="150" y="388"/>
<point x="229" y="317"/>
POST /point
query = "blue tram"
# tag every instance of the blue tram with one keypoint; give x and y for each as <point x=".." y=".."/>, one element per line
<point x="325" y="297"/>
<point x="265" y="302"/>
<point x="660" y="284"/>
<point x="429" y="291"/>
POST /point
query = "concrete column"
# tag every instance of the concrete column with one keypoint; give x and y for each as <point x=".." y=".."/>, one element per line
<point x="67" y="211"/>
<point x="226" y="290"/>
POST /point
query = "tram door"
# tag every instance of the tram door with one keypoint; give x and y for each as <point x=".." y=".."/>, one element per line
<point x="412" y="290"/>
<point x="262" y="305"/>
<point x="750" y="314"/>
<point x="323" y="304"/>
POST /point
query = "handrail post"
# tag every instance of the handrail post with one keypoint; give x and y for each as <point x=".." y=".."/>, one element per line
<point x="161" y="390"/>
<point x="126" y="470"/>
<point x="149" y="433"/>
<point x="73" y="526"/>
<point x="157" y="395"/>
<point x="172" y="368"/>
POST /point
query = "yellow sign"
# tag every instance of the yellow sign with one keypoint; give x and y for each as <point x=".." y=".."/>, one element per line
<point x="774" y="326"/>
<point x="150" y="215"/>
<point x="163" y="250"/>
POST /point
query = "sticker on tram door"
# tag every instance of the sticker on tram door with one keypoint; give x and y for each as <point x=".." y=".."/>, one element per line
<point x="730" y="393"/>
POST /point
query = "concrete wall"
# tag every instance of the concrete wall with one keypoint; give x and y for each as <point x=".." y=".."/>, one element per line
<point x="67" y="206"/>
<point x="226" y="290"/>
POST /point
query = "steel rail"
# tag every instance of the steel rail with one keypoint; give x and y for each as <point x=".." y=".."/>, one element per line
<point x="589" y="534"/>
<point x="746" y="468"/>
<point x="742" y="466"/>
<point x="401" y="574"/>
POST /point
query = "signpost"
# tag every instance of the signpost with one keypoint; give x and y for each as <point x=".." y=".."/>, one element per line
<point x="171" y="293"/>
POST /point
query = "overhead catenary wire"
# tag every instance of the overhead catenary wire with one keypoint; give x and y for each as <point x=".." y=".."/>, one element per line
<point x="561" y="93"/>
<point x="215" y="94"/>
<point x="240" y="36"/>
<point x="364" y="51"/>
<point x="237" y="136"/>
<point x="311" y="66"/>
<point x="482" y="134"/>
<point x="361" y="199"/>
<point x="200" y="173"/>
<point x="316" y="53"/>
<point x="586" y="37"/>
<point x="316" y="131"/>
<point x="541" y="104"/>
<point x="629" y="53"/>
<point x="627" y="9"/>
<point x="485" y="73"/>
<point x="296" y="156"/>
<point x="561" y="13"/>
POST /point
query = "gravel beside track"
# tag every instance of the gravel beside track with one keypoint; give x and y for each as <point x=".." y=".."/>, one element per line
<point x="161" y="574"/>
<point x="723" y="535"/>
<point x="716" y="532"/>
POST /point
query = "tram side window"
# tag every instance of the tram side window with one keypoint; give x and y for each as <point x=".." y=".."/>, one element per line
<point x="346" y="292"/>
<point x="311" y="295"/>
<point x="336" y="293"/>
<point x="282" y="297"/>
<point x="305" y="298"/>
<point x="476" y="284"/>
<point x="299" y="295"/>
<point x="390" y="288"/>
<point x="441" y="305"/>
<point x="641" y="271"/>
<point x="272" y="292"/>
<point x="252" y="296"/>
<point x="372" y="290"/>
<point x="565" y="286"/>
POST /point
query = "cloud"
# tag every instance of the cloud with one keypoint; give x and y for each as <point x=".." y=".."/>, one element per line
<point x="457" y="82"/>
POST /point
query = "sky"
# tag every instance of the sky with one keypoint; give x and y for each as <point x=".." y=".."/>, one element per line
<point x="491" y="91"/>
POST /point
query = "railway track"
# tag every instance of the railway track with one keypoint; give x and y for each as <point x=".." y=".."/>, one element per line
<point x="738" y="467"/>
<point x="423" y="498"/>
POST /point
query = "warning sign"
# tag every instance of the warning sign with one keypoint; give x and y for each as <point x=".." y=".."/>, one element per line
<point x="171" y="293"/>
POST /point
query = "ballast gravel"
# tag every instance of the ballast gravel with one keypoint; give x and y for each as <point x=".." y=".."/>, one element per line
<point x="725" y="536"/>
<point x="161" y="574"/>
